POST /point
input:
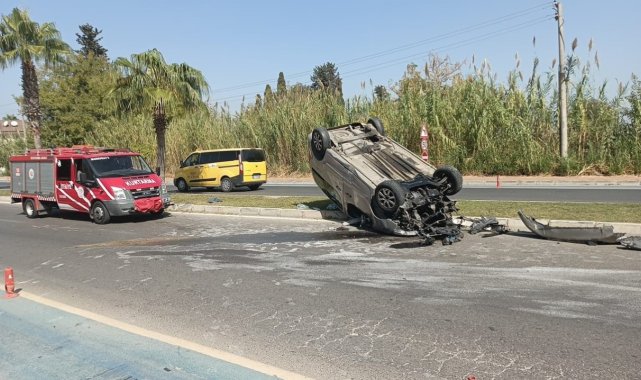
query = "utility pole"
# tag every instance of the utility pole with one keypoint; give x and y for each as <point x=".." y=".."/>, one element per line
<point x="563" y="87"/>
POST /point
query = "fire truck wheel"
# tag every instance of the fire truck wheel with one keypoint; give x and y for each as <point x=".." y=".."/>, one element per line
<point x="99" y="213"/>
<point x="29" y="208"/>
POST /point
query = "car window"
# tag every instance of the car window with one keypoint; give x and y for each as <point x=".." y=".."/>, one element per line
<point x="64" y="170"/>
<point x="209" y="157"/>
<point x="253" y="155"/>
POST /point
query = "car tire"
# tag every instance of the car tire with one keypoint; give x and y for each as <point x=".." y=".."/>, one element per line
<point x="99" y="213"/>
<point x="253" y="187"/>
<point x="226" y="185"/>
<point x="29" y="208"/>
<point x="389" y="196"/>
<point x="453" y="179"/>
<point x="378" y="124"/>
<point x="320" y="142"/>
<point x="182" y="186"/>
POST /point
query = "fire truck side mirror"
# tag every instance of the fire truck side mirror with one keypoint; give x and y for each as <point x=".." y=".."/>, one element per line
<point x="82" y="178"/>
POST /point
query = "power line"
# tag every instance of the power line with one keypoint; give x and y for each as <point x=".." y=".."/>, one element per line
<point x="446" y="47"/>
<point x="481" y="25"/>
<point x="454" y="45"/>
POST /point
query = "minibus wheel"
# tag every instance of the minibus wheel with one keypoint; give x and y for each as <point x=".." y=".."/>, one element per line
<point x="226" y="185"/>
<point x="181" y="185"/>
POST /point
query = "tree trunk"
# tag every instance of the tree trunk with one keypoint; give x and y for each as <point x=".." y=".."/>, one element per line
<point x="160" y="125"/>
<point x="31" y="101"/>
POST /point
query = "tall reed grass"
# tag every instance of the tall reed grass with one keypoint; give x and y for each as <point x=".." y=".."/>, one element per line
<point x="475" y="122"/>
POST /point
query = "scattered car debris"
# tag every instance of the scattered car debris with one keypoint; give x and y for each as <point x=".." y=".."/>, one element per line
<point x="331" y="207"/>
<point x="486" y="224"/>
<point x="302" y="206"/>
<point x="370" y="176"/>
<point x="604" y="234"/>
<point x="631" y="242"/>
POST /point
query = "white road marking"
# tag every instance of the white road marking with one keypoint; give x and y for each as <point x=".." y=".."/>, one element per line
<point x="183" y="343"/>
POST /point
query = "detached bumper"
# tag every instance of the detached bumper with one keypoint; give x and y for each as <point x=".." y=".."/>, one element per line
<point x="138" y="206"/>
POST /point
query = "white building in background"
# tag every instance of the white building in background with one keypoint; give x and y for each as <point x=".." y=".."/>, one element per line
<point x="12" y="128"/>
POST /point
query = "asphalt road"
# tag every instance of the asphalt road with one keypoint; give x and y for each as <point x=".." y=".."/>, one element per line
<point x="334" y="304"/>
<point x="488" y="192"/>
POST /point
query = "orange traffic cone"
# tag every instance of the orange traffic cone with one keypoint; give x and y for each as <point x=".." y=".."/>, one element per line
<point x="9" y="283"/>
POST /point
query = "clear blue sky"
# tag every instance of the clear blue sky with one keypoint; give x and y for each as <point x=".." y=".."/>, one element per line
<point x="239" y="42"/>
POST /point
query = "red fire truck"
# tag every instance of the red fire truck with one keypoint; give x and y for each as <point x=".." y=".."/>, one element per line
<point x="102" y="182"/>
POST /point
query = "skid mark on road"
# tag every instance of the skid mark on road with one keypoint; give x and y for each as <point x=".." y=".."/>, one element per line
<point x="137" y="242"/>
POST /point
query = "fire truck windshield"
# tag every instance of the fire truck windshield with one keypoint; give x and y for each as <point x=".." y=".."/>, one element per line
<point x="116" y="166"/>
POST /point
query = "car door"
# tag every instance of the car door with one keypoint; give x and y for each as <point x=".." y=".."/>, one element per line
<point x="210" y="172"/>
<point x="70" y="194"/>
<point x="254" y="166"/>
<point x="192" y="168"/>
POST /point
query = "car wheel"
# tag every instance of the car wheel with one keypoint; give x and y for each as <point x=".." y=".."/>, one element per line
<point x="99" y="213"/>
<point x="453" y="179"/>
<point x="378" y="124"/>
<point x="181" y="185"/>
<point x="226" y="185"/>
<point x="253" y="187"/>
<point x="29" y="208"/>
<point x="320" y="142"/>
<point x="389" y="196"/>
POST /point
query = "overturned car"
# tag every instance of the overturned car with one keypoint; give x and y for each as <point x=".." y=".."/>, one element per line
<point x="391" y="189"/>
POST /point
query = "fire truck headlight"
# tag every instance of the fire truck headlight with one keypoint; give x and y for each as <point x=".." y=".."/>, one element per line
<point x="163" y="188"/>
<point x="119" y="193"/>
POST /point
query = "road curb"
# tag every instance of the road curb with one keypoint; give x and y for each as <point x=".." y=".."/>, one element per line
<point x="513" y="224"/>
<point x="258" y="211"/>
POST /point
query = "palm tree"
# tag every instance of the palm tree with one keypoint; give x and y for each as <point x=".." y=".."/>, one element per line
<point x="149" y="84"/>
<point x="25" y="41"/>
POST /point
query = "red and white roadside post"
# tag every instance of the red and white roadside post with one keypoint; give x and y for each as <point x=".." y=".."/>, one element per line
<point x="9" y="283"/>
<point x="424" y="149"/>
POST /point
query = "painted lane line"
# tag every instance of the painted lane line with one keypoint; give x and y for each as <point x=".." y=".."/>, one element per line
<point x="183" y="343"/>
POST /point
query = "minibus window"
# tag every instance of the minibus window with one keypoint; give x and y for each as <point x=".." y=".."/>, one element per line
<point x="209" y="157"/>
<point x="230" y="155"/>
<point x="253" y="155"/>
<point x="192" y="160"/>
